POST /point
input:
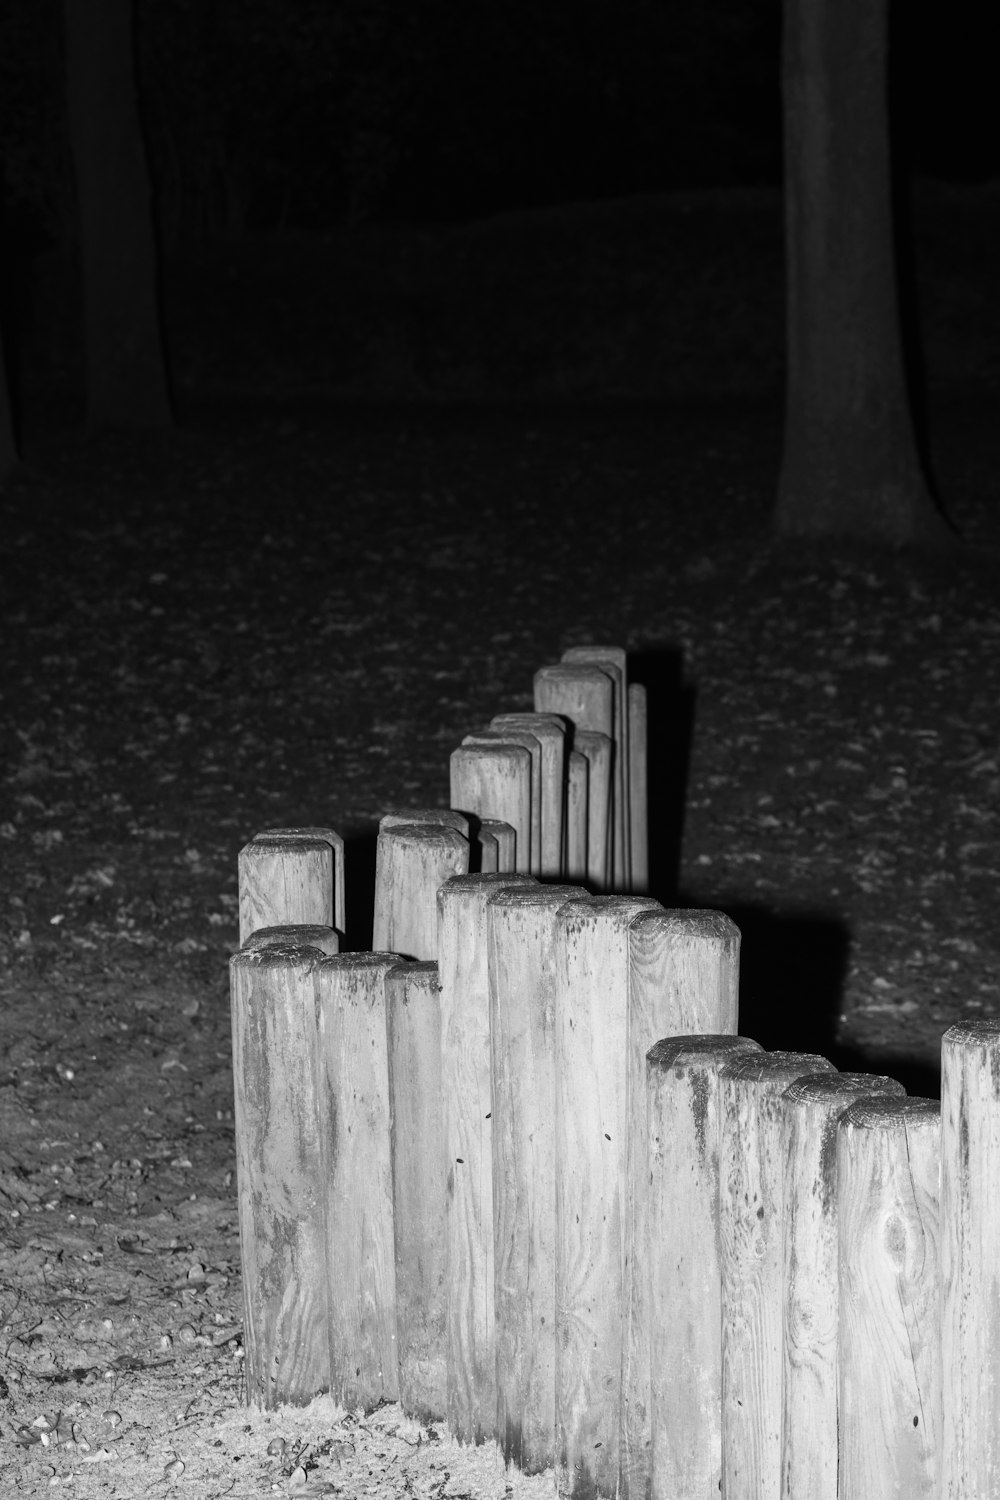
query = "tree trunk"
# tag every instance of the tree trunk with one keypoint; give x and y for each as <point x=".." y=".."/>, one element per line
<point x="850" y="465"/>
<point x="126" y="371"/>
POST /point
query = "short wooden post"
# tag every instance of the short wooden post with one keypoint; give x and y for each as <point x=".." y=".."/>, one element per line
<point x="530" y="743"/>
<point x="612" y="661"/>
<point x="299" y="935"/>
<point x="466" y="1091"/>
<point x="750" y="1183"/>
<point x="504" y="841"/>
<point x="353" y="1139"/>
<point x="888" y="1168"/>
<point x="592" y="1069"/>
<point x="434" y="817"/>
<point x="597" y="750"/>
<point x="577" y="802"/>
<point x="638" y="785"/>
<point x="970" y="1260"/>
<point x="811" y="1108"/>
<point x="583" y="695"/>
<point x="419" y="1195"/>
<point x="683" y="978"/>
<point x="280" y="1182"/>
<point x="329" y="836"/>
<point x="285" y="881"/>
<point x="494" y="781"/>
<point x="550" y="732"/>
<point x="683" y="1255"/>
<point x="411" y="861"/>
<point x="521" y="928"/>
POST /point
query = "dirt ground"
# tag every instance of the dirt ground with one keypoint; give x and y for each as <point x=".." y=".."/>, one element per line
<point x="292" y="611"/>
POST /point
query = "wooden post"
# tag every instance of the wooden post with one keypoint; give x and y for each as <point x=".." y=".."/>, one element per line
<point x="328" y="836"/>
<point x="466" y="1090"/>
<point x="683" y="979"/>
<point x="888" y="1167"/>
<point x="970" y="1260"/>
<point x="550" y="732"/>
<point x="353" y="1138"/>
<point x="434" y="817"/>
<point x="299" y="935"/>
<point x="750" y="1182"/>
<point x="811" y="1109"/>
<point x="583" y="695"/>
<point x="597" y="750"/>
<point x="504" y="839"/>
<point x="520" y="931"/>
<point x="592" y="1069"/>
<point x="638" y="786"/>
<point x="612" y="660"/>
<point x="419" y="1195"/>
<point x="494" y="782"/>
<point x="683" y="1255"/>
<point x="530" y="743"/>
<point x="285" y="882"/>
<point x="577" y="820"/>
<point x="411" y="861"/>
<point x="280" y="1181"/>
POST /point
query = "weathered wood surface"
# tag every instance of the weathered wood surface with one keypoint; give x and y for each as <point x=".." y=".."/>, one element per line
<point x="638" y="786"/>
<point x="970" y="1260"/>
<point x="435" y="817"/>
<point x="682" y="1079"/>
<point x="419" y="1186"/>
<point x="354" y="1152"/>
<point x="612" y="660"/>
<point x="493" y="781"/>
<point x="521" y="935"/>
<point x="592" y="1051"/>
<point x="530" y="743"/>
<point x="550" y="732"/>
<point x="298" y="935"/>
<point x="281" y="1185"/>
<point x="598" y="750"/>
<point x="412" y="860"/>
<point x="286" y="882"/>
<point x="811" y="1108"/>
<point x="577" y="806"/>
<point x="888" y="1170"/>
<point x="328" y="836"/>
<point x="466" y="1089"/>
<point x="750" y="1200"/>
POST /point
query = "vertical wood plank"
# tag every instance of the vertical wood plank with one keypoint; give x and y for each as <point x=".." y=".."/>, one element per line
<point x="613" y="661"/>
<point x="550" y="732"/>
<point x="285" y="882"/>
<point x="328" y="836"/>
<point x="750" y="1209"/>
<point x="411" y="861"/>
<point x="685" y="1274"/>
<point x="466" y="1089"/>
<point x="521" y="933"/>
<point x="597" y="750"/>
<point x="970" y="1259"/>
<point x="592" y="1069"/>
<point x="280" y="1183"/>
<point x="638" y="785"/>
<point x="413" y="1002"/>
<point x="493" y="781"/>
<point x="577" y="815"/>
<point x="888" y="1169"/>
<point x="354" y="1152"/>
<point x="811" y="1108"/>
<point x="530" y="743"/>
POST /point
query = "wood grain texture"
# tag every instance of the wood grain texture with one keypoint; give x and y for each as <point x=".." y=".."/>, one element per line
<point x="613" y="661"/>
<point x="598" y="750"/>
<point x="683" y="979"/>
<point x="888" y="1170"/>
<point x="411" y="861"/>
<point x="493" y="781"/>
<point x="638" y="786"/>
<point x="520" y="935"/>
<point x="530" y="743"/>
<point x="750" y="1206"/>
<point x="811" y="1108"/>
<point x="583" y="695"/>
<point x="466" y="1089"/>
<point x="285" y="882"/>
<point x="419" y="1187"/>
<point x="280" y="1182"/>
<point x="299" y="935"/>
<point x="328" y="836"/>
<point x="435" y="817"/>
<point x="685" y="1275"/>
<point x="354" y="1141"/>
<point x="550" y="732"/>
<point x="505" y="839"/>
<point x="592" y="1037"/>
<point x="970" y="1262"/>
<point x="577" y="806"/>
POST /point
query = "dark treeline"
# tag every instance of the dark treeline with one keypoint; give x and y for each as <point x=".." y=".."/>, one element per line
<point x="262" y="113"/>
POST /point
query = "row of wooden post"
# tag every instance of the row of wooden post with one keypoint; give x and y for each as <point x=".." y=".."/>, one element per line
<point x="534" y="1183"/>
